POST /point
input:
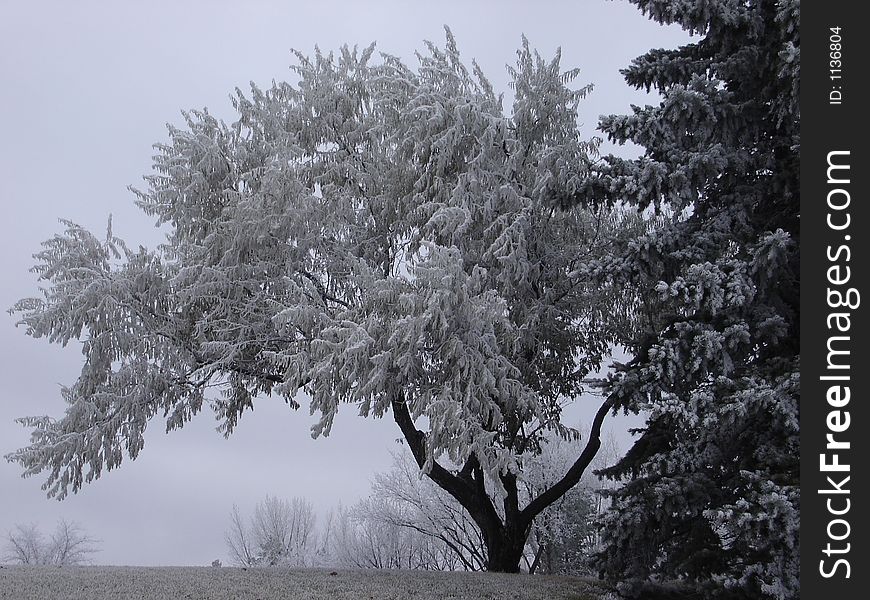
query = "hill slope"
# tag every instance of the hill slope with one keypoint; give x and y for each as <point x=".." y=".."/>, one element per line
<point x="207" y="583"/>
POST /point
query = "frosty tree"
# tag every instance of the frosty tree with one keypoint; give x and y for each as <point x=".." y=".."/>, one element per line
<point x="710" y="496"/>
<point x="371" y="235"/>
<point x="68" y="545"/>
<point x="280" y="533"/>
<point x="361" y="539"/>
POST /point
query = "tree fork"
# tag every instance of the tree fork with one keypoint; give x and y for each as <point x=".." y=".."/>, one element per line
<point x="470" y="494"/>
<point x="506" y="540"/>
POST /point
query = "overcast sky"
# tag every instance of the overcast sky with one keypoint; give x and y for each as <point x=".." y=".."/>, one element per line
<point x="85" y="89"/>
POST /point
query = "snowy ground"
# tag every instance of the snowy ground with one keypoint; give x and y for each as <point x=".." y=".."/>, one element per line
<point x="207" y="583"/>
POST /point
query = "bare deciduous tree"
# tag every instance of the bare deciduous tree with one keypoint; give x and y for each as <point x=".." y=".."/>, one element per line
<point x="68" y="545"/>
<point x="240" y="546"/>
<point x="280" y="532"/>
<point x="359" y="540"/>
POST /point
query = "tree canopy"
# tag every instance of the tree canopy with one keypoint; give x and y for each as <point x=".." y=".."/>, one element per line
<point x="371" y="235"/>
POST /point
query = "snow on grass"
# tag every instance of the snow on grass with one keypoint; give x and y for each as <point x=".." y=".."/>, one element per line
<point x="207" y="583"/>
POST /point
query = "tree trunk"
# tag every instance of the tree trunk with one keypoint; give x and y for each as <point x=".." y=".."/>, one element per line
<point x="505" y="539"/>
<point x="505" y="551"/>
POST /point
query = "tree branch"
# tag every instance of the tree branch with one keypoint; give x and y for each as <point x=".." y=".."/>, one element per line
<point x="572" y="477"/>
<point x="472" y="497"/>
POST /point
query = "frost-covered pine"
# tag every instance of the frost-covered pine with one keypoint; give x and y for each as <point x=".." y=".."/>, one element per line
<point x="710" y="490"/>
<point x="371" y="235"/>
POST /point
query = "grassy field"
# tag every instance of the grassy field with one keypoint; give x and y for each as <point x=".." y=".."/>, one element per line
<point x="208" y="583"/>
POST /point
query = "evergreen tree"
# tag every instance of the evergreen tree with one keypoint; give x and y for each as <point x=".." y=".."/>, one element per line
<point x="709" y="499"/>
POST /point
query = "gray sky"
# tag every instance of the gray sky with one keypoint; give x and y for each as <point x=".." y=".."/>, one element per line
<point x="85" y="90"/>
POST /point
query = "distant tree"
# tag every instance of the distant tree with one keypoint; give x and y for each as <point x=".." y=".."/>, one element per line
<point x="324" y="541"/>
<point x="372" y="235"/>
<point x="26" y="545"/>
<point x="68" y="545"/>
<point x="362" y="539"/>
<point x="279" y="533"/>
<point x="709" y="494"/>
